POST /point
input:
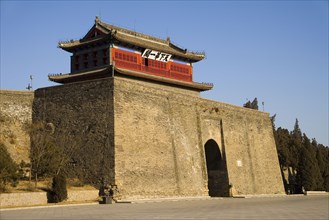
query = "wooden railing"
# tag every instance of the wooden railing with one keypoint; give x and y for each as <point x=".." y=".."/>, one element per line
<point x="133" y="61"/>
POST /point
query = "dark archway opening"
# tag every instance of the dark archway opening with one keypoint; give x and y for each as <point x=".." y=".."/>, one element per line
<point x="217" y="170"/>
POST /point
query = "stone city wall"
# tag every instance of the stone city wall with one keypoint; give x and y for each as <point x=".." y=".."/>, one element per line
<point x="82" y="195"/>
<point x="155" y="135"/>
<point x="156" y="141"/>
<point x="160" y="136"/>
<point x="247" y="138"/>
<point x="40" y="198"/>
<point x="81" y="116"/>
<point x="23" y="199"/>
<point x="15" y="119"/>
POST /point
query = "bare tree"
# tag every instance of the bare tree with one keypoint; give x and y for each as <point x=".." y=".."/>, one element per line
<point x="50" y="152"/>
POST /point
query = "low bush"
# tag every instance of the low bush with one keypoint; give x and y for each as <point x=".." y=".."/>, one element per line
<point x="8" y="169"/>
<point x="59" y="190"/>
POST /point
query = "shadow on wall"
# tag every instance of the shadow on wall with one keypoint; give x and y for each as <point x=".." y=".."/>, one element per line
<point x="218" y="183"/>
<point x="291" y="184"/>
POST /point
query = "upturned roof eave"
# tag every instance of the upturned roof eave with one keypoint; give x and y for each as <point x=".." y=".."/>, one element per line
<point x="133" y="38"/>
<point x="71" y="45"/>
<point x="69" y="77"/>
<point x="166" y="48"/>
<point x="107" y="72"/>
<point x="172" y="48"/>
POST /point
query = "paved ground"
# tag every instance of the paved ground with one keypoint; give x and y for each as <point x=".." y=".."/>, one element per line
<point x="288" y="207"/>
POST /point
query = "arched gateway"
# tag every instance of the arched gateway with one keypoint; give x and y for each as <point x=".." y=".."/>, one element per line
<point x="146" y="100"/>
<point x="217" y="171"/>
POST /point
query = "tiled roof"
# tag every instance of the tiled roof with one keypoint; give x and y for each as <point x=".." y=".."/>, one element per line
<point x="133" y="38"/>
<point x="69" y="77"/>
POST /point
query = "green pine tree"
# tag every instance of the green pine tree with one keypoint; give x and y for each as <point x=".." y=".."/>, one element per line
<point x="308" y="170"/>
<point x="295" y="145"/>
<point x="309" y="159"/>
<point x="319" y="165"/>
<point x="283" y="141"/>
<point x="322" y="156"/>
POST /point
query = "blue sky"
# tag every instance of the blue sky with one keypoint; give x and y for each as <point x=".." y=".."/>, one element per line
<point x="276" y="51"/>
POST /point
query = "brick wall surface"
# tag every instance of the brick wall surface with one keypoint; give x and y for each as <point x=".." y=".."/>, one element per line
<point x="155" y="136"/>
<point x="247" y="137"/>
<point x="82" y="195"/>
<point x="84" y="113"/>
<point x="23" y="199"/>
<point x="40" y="198"/>
<point x="156" y="141"/>
<point x="160" y="136"/>
<point x="15" y="117"/>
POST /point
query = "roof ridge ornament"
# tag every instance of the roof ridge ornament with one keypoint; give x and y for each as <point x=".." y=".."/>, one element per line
<point x="125" y="36"/>
<point x="97" y="20"/>
<point x="168" y="39"/>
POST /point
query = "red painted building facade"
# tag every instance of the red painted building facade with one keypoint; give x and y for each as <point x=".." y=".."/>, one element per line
<point x="107" y="50"/>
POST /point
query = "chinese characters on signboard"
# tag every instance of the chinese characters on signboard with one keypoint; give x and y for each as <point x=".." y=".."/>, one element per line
<point x="155" y="55"/>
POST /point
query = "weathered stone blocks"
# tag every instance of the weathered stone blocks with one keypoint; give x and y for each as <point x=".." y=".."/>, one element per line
<point x="154" y="136"/>
<point x="15" y="119"/>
